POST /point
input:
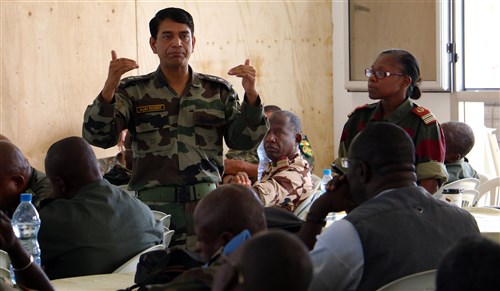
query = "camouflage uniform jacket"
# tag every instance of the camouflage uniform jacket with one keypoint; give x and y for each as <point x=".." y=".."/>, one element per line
<point x="286" y="183"/>
<point x="417" y="121"/>
<point x="176" y="140"/>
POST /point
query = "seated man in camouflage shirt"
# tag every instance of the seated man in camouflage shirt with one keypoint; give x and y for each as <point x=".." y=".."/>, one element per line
<point x="248" y="161"/>
<point x="286" y="181"/>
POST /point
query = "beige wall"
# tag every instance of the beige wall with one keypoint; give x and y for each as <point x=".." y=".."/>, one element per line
<point x="55" y="57"/>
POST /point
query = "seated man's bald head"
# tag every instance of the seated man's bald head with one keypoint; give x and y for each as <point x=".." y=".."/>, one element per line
<point x="224" y="213"/>
<point x="72" y="162"/>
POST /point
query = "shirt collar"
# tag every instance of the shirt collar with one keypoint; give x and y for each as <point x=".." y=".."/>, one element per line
<point x="396" y="116"/>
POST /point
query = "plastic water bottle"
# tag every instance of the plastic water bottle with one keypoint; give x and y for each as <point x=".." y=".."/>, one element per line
<point x="26" y="223"/>
<point x="327" y="176"/>
<point x="263" y="159"/>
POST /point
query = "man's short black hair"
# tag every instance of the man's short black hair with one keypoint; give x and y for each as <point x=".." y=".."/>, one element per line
<point x="176" y="14"/>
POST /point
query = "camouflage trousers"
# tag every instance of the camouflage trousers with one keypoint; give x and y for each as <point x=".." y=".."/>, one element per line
<point x="179" y="202"/>
<point x="182" y="221"/>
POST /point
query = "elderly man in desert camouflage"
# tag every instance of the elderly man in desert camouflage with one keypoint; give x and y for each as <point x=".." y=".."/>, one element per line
<point x="177" y="119"/>
<point x="287" y="181"/>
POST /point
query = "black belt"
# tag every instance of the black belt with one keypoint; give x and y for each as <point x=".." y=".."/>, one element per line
<point x="180" y="194"/>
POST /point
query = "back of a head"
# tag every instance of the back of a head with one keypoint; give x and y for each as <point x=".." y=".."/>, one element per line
<point x="4" y="138"/>
<point x="385" y="147"/>
<point x="73" y="160"/>
<point x="471" y="264"/>
<point x="271" y="260"/>
<point x="176" y="14"/>
<point x="231" y="208"/>
<point x="459" y="137"/>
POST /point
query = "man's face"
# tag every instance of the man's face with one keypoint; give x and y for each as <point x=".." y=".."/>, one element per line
<point x="173" y="44"/>
<point x="280" y="140"/>
<point x="208" y="242"/>
<point x="9" y="192"/>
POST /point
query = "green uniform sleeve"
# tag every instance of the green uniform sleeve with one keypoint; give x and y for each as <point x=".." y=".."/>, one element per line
<point x="104" y="122"/>
<point x="432" y="169"/>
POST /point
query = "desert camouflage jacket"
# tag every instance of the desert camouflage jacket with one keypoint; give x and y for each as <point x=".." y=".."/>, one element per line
<point x="285" y="184"/>
<point x="176" y="140"/>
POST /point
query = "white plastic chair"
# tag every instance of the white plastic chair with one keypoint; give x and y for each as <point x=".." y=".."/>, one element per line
<point x="5" y="274"/>
<point x="316" y="182"/>
<point x="464" y="184"/>
<point x="303" y="208"/>
<point x="482" y="177"/>
<point x="130" y="266"/>
<point x="4" y="260"/>
<point x="167" y="237"/>
<point x="492" y="187"/>
<point x="423" y="281"/>
<point x="163" y="218"/>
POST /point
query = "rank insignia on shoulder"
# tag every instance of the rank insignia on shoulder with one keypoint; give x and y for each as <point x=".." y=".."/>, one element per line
<point x="134" y="79"/>
<point x="424" y="114"/>
<point x="215" y="79"/>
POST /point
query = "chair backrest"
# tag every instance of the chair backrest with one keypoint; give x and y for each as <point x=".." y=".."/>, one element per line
<point x="418" y="281"/>
<point x="492" y="187"/>
<point x="4" y="260"/>
<point x="130" y="266"/>
<point x="5" y="275"/>
<point x="465" y="184"/>
<point x="316" y="182"/>
<point x="167" y="237"/>
<point x="469" y="197"/>
<point x="482" y="177"/>
<point x="303" y="208"/>
<point x="163" y="218"/>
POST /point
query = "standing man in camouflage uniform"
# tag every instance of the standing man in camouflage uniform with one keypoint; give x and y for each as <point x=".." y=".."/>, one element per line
<point x="177" y="119"/>
<point x="286" y="181"/>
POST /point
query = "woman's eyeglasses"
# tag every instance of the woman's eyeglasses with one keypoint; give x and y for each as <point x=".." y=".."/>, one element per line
<point x="380" y="74"/>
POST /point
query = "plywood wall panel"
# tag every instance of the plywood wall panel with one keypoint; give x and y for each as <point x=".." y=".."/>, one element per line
<point x="54" y="62"/>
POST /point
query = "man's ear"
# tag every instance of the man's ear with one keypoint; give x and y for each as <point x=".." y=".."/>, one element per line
<point x="455" y="156"/>
<point x="194" y="43"/>
<point x="20" y="182"/>
<point x="363" y="172"/>
<point x="60" y="188"/>
<point x="298" y="138"/>
<point x="226" y="237"/>
<point x="152" y="44"/>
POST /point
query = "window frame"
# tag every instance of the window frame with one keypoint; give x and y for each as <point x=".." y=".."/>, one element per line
<point x="443" y="57"/>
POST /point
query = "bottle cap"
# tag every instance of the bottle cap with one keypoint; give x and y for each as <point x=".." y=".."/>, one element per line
<point x="26" y="197"/>
<point x="327" y="172"/>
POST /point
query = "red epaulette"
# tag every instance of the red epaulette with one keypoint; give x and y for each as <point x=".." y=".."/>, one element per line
<point x="425" y="114"/>
<point x="358" y="108"/>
